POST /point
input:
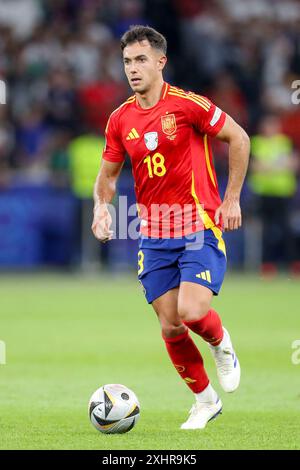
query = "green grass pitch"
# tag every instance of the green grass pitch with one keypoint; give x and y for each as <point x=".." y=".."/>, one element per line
<point x="66" y="336"/>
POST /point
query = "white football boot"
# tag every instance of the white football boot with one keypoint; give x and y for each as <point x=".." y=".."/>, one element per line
<point x="228" y="367"/>
<point x="201" y="414"/>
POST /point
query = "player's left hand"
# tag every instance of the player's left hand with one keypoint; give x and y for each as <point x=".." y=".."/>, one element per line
<point x="230" y="211"/>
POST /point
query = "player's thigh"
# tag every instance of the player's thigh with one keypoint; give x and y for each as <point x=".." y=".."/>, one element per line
<point x="166" y="309"/>
<point x="160" y="277"/>
<point x="158" y="272"/>
<point x="202" y="271"/>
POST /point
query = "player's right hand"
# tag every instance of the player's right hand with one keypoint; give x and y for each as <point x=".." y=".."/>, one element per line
<point x="230" y="211"/>
<point x="101" y="223"/>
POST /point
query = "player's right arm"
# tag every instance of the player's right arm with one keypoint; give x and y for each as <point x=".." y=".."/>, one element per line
<point x="104" y="192"/>
<point x="106" y="181"/>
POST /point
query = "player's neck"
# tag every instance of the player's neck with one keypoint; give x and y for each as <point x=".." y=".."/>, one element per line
<point x="151" y="97"/>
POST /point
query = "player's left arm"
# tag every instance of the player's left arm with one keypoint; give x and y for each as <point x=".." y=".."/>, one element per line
<point x="239" y="149"/>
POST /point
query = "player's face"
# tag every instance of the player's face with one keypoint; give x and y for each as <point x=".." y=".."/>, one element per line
<point x="143" y="65"/>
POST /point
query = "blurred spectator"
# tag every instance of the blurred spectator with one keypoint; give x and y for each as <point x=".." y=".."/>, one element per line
<point x="60" y="158"/>
<point x="98" y="99"/>
<point x="227" y="94"/>
<point x="32" y="138"/>
<point x="84" y="56"/>
<point x="21" y="15"/>
<point x="85" y="155"/>
<point x="7" y="141"/>
<point x="61" y="102"/>
<point x="273" y="180"/>
<point x="291" y="124"/>
<point x="129" y="12"/>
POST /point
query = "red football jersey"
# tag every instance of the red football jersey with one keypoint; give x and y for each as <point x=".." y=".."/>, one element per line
<point x="168" y="144"/>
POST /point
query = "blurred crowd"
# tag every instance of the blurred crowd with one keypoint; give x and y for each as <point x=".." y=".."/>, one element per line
<point x="61" y="63"/>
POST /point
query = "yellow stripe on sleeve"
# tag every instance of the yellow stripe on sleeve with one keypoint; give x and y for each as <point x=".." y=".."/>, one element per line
<point x="207" y="222"/>
<point x="207" y="159"/>
<point x="190" y="98"/>
<point x="199" y="98"/>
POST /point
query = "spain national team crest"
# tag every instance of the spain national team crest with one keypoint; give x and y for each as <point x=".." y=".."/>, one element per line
<point x="168" y="124"/>
<point x="151" y="140"/>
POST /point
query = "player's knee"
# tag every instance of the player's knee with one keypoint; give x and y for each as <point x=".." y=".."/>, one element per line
<point x="171" y="331"/>
<point x="192" y="311"/>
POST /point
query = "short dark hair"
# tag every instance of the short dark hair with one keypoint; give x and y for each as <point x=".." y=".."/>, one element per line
<point x="138" y="33"/>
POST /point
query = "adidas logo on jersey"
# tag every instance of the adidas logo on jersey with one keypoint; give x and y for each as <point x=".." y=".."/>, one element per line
<point x="204" y="275"/>
<point x="133" y="134"/>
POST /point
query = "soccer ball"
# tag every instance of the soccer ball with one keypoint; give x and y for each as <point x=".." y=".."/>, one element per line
<point x="114" y="409"/>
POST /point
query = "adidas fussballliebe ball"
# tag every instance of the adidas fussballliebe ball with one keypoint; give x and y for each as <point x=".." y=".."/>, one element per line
<point x="114" y="409"/>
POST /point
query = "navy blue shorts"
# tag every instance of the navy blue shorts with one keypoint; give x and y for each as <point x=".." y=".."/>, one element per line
<point x="164" y="263"/>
